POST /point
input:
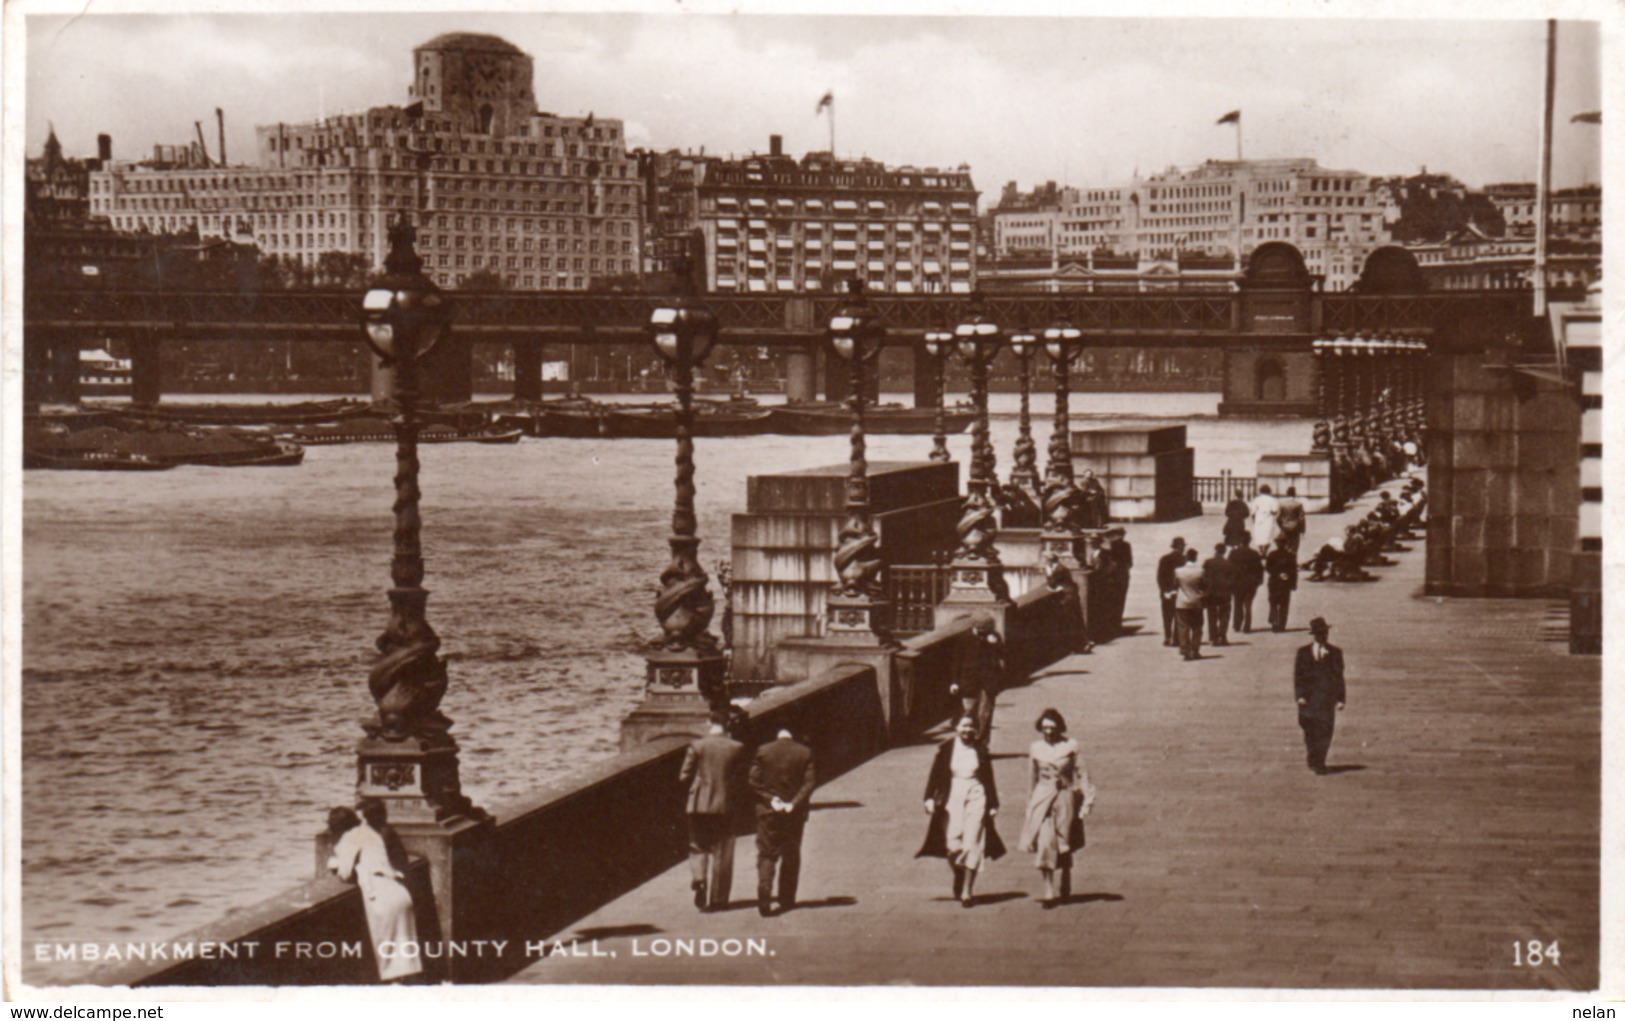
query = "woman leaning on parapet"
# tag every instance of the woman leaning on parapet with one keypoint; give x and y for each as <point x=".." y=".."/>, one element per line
<point x="363" y="855"/>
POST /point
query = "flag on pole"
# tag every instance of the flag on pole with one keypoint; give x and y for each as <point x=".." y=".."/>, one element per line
<point x="1233" y="117"/>
<point x="828" y="100"/>
<point x="1590" y="117"/>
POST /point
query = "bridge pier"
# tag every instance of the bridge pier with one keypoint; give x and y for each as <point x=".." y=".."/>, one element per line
<point x="146" y="370"/>
<point x="925" y="375"/>
<point x="801" y="374"/>
<point x="527" y="372"/>
<point x="50" y="369"/>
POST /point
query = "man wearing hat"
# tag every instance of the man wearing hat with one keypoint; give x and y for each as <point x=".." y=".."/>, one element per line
<point x="1318" y="684"/>
<point x="1123" y="554"/>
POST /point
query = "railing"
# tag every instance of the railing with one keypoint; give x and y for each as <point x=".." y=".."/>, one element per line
<point x="914" y="591"/>
<point x="1221" y="487"/>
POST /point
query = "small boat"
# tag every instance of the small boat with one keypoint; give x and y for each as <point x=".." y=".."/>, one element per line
<point x="303" y="413"/>
<point x="94" y="460"/>
<point x="162" y="445"/>
<point x="826" y="419"/>
<point x="379" y="430"/>
<point x="102" y="375"/>
<point x="710" y="420"/>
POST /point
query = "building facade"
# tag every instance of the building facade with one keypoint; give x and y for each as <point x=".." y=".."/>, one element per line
<point x="1220" y="208"/>
<point x="496" y="187"/>
<point x="775" y="224"/>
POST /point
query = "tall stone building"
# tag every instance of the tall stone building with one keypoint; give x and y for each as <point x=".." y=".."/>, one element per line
<point x="775" y="224"/>
<point x="496" y="187"/>
<point x="1220" y="208"/>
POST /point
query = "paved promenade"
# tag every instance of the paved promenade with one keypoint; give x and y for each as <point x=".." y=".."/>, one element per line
<point x="1461" y="817"/>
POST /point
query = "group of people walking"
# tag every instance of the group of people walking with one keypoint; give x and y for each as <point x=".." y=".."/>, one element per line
<point x="1259" y="549"/>
<point x="963" y="801"/>
<point x="780" y="778"/>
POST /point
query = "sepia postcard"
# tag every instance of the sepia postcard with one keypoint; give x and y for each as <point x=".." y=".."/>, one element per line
<point x="870" y="499"/>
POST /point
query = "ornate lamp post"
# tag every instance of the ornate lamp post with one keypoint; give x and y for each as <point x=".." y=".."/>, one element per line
<point x="689" y="662"/>
<point x="1062" y="500"/>
<point x="1024" y="501"/>
<point x="408" y="759"/>
<point x="856" y="607"/>
<point x="977" y="571"/>
<point x="1322" y="434"/>
<point x="939" y="344"/>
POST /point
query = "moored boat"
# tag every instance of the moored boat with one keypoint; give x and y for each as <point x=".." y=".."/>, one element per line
<point x="302" y="413"/>
<point x="827" y="419"/>
<point x="51" y="445"/>
<point x="381" y="430"/>
<point x="94" y="460"/>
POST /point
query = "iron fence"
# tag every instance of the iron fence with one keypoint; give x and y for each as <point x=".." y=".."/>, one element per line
<point x="1221" y="487"/>
<point x="914" y="590"/>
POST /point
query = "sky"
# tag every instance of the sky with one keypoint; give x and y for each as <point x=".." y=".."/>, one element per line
<point x="1077" y="100"/>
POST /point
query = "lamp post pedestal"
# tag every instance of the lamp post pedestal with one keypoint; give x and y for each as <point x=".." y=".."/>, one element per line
<point x="678" y="693"/>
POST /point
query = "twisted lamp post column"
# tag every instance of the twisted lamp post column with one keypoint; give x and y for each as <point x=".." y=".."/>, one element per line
<point x="1063" y="501"/>
<point x="939" y="344"/>
<point x="688" y="661"/>
<point x="1024" y="501"/>
<point x="978" y="573"/>
<point x="408" y="759"/>
<point x="857" y="608"/>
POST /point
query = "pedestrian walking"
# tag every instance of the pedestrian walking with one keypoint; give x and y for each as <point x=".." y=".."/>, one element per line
<point x="1292" y="519"/>
<point x="1266" y="513"/>
<point x="1216" y="600"/>
<point x="1246" y="575"/>
<point x="362" y="855"/>
<point x="1281" y="567"/>
<point x="782" y="776"/>
<point x="981" y="675"/>
<point x="1058" y="799"/>
<point x="1190" y="585"/>
<point x="1237" y="517"/>
<point x="711" y="774"/>
<point x="1075" y="633"/>
<point x="1317" y="681"/>
<point x="1122" y="552"/>
<point x="1168" y="588"/>
<point x="962" y="801"/>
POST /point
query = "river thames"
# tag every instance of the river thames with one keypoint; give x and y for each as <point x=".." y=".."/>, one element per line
<point x="197" y="641"/>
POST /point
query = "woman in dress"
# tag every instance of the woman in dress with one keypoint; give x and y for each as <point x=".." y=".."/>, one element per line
<point x="362" y="854"/>
<point x="1266" y="525"/>
<point x="961" y="800"/>
<point x="1060" y="797"/>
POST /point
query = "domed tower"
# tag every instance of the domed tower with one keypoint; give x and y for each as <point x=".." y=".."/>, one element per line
<point x="482" y="81"/>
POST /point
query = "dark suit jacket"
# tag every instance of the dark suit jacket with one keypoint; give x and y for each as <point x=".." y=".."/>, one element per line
<point x="1282" y="567"/>
<point x="1166" y="567"/>
<point x="1247" y="569"/>
<point x="711" y="772"/>
<point x="1319" y="683"/>
<point x="936" y="789"/>
<point x="982" y="668"/>
<point x="1220" y="579"/>
<point x="783" y="767"/>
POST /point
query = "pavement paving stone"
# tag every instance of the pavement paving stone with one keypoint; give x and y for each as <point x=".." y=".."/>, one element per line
<point x="1465" y="817"/>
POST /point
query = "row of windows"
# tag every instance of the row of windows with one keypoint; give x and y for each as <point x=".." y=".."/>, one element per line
<point x="514" y="262"/>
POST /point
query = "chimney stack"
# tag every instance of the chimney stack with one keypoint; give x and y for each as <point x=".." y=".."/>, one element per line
<point x="220" y="119"/>
<point x="104" y="148"/>
<point x="775" y="145"/>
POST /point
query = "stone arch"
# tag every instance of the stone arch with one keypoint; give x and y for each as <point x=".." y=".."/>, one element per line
<point x="1391" y="270"/>
<point x="1276" y="265"/>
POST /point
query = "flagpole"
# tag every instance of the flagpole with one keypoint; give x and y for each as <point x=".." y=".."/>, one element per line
<point x="1543" y="184"/>
<point x="832" y="127"/>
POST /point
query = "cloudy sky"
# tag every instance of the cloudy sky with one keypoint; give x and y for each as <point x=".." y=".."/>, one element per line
<point x="1075" y="99"/>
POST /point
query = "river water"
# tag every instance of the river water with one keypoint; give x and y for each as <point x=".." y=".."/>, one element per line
<point x="197" y="641"/>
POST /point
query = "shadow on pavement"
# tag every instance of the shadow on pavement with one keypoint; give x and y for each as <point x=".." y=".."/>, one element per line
<point x="617" y="931"/>
<point x="823" y="902"/>
<point x="998" y="898"/>
<point x="1089" y="898"/>
<point x="1331" y="770"/>
<point x="819" y="806"/>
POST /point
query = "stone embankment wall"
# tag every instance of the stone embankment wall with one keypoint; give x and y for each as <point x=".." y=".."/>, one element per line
<point x="579" y="843"/>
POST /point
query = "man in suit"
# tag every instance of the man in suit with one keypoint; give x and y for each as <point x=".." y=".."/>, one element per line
<point x="1122" y="552"/>
<point x="782" y="777"/>
<point x="1216" y="572"/>
<point x="1246" y="574"/>
<point x="1317" y="681"/>
<point x="1189" y="588"/>
<point x="982" y="675"/>
<point x="1292" y="519"/>
<point x="711" y="772"/>
<point x="1168" y="588"/>
<point x="1281" y="567"/>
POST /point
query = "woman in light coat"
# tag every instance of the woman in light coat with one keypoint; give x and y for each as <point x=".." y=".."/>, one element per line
<point x="362" y="855"/>
<point x="1059" y="798"/>
<point x="1266" y="522"/>
<point x="961" y="799"/>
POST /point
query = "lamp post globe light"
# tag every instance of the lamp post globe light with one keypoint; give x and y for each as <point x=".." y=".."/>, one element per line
<point x="408" y="758"/>
<point x="855" y="335"/>
<point x="688" y="665"/>
<point x="939" y="344"/>
<point x="1023" y="497"/>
